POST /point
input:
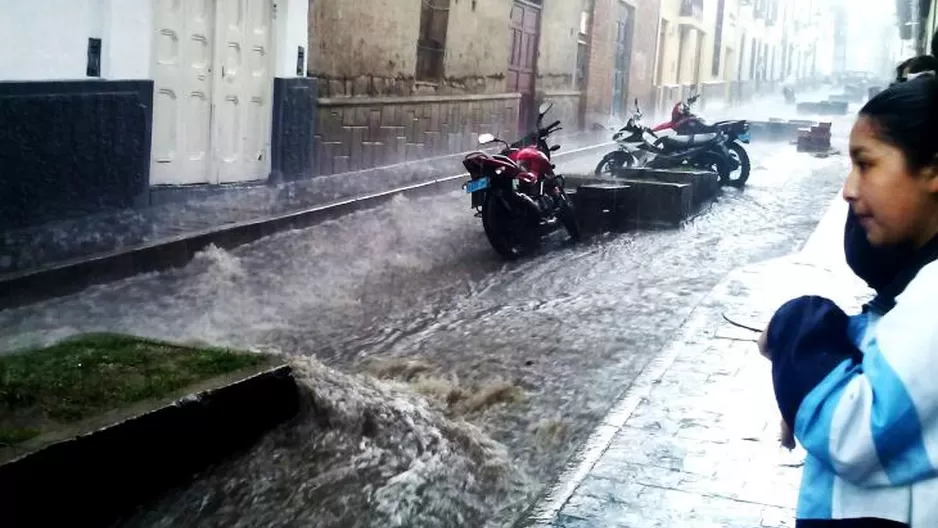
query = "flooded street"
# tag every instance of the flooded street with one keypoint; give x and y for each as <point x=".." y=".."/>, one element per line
<point x="492" y="374"/>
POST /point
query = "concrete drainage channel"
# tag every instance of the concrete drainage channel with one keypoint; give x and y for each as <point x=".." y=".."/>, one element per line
<point x="72" y="276"/>
<point x="98" y="478"/>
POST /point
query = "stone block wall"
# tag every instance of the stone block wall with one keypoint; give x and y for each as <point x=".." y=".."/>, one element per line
<point x="355" y="134"/>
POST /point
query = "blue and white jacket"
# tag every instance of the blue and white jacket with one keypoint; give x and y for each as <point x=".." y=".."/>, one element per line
<point x="861" y="393"/>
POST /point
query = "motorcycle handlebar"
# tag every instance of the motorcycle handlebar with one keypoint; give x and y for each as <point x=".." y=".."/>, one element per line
<point x="544" y="132"/>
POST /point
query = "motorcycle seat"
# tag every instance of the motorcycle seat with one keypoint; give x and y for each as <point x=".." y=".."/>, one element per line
<point x="689" y="140"/>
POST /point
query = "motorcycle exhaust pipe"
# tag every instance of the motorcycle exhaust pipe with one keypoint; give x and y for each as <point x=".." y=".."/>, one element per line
<point x="512" y="200"/>
<point x="529" y="203"/>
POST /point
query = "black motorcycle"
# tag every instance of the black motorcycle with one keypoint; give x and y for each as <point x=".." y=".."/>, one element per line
<point x="730" y="156"/>
<point x="699" y="146"/>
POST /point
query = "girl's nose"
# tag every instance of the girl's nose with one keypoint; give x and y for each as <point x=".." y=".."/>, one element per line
<point x="850" y="191"/>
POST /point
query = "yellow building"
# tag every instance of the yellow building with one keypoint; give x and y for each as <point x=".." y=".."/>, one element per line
<point x="681" y="35"/>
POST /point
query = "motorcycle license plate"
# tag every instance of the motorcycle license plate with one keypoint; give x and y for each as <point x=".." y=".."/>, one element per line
<point x="477" y="185"/>
<point x="745" y="137"/>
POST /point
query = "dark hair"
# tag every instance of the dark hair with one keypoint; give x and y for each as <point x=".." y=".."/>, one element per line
<point x="917" y="64"/>
<point x="906" y="116"/>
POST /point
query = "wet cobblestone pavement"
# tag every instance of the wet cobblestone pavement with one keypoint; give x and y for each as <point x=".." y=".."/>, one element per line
<point x="531" y="354"/>
<point x="696" y="440"/>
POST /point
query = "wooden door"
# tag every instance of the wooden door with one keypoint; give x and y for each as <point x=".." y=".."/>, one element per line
<point x="522" y="64"/>
<point x="620" y="77"/>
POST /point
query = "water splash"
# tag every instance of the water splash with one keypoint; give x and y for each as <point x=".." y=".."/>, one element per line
<point x="408" y="464"/>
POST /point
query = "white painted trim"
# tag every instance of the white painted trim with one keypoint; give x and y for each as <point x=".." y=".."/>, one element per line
<point x="128" y="41"/>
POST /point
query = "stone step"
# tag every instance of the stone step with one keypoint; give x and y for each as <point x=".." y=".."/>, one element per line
<point x="824" y="108"/>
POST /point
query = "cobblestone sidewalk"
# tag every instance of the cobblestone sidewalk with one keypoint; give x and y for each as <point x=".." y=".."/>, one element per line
<point x="694" y="443"/>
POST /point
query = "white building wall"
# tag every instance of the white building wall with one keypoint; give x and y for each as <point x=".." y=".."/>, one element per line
<point x="45" y="39"/>
<point x="48" y="39"/>
<point x="129" y="38"/>
<point x="291" y="30"/>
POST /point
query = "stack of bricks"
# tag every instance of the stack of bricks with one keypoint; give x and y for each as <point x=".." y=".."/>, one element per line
<point x="815" y="139"/>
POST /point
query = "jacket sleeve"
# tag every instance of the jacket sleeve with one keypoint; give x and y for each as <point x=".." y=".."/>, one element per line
<point x="808" y="339"/>
<point x="871" y="416"/>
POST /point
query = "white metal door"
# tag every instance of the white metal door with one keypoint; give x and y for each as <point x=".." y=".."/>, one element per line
<point x="242" y="91"/>
<point x="182" y="99"/>
<point x="213" y="84"/>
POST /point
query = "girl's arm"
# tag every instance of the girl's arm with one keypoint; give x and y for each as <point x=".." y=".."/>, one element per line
<point x="871" y="416"/>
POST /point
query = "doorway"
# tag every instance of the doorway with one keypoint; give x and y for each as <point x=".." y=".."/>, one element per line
<point x="625" y="23"/>
<point x="525" y="36"/>
<point x="212" y="93"/>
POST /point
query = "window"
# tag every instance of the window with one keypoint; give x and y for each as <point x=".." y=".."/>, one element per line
<point x="718" y="38"/>
<point x="583" y="46"/>
<point x="431" y="45"/>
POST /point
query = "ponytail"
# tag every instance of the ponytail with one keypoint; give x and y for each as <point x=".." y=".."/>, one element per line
<point x="906" y="113"/>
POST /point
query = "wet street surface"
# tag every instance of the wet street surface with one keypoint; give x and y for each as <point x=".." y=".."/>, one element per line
<point x="531" y="354"/>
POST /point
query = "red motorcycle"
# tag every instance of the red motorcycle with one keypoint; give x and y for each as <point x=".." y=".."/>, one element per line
<point x="516" y="192"/>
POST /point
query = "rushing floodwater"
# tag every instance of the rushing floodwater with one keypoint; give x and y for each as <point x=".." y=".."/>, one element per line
<point x="443" y="387"/>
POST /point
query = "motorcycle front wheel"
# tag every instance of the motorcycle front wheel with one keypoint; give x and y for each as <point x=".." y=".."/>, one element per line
<point x="506" y="230"/>
<point x="739" y="177"/>
<point x="612" y="162"/>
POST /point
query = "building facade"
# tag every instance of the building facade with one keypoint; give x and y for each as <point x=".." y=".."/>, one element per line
<point x="116" y="102"/>
<point x="622" y="50"/>
<point x="405" y="80"/>
<point x="104" y="100"/>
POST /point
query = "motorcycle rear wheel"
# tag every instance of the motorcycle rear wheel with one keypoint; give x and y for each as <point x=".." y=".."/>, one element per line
<point x="506" y="230"/>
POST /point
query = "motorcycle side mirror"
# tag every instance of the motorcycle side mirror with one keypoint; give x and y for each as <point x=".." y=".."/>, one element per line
<point x="485" y="139"/>
<point x="544" y="108"/>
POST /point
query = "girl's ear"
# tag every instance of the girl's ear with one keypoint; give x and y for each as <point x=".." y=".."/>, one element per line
<point x="930" y="177"/>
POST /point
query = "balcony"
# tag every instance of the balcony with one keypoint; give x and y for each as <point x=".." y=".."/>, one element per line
<point x="766" y="10"/>
<point x="692" y="9"/>
<point x="692" y="14"/>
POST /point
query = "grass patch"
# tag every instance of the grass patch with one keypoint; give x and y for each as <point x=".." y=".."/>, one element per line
<point x="45" y="388"/>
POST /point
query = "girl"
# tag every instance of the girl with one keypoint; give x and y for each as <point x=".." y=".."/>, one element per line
<point x="859" y="392"/>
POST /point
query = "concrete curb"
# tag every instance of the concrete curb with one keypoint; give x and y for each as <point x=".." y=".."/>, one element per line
<point x="579" y="467"/>
<point x="543" y="513"/>
<point x="72" y="276"/>
<point x="98" y="478"/>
